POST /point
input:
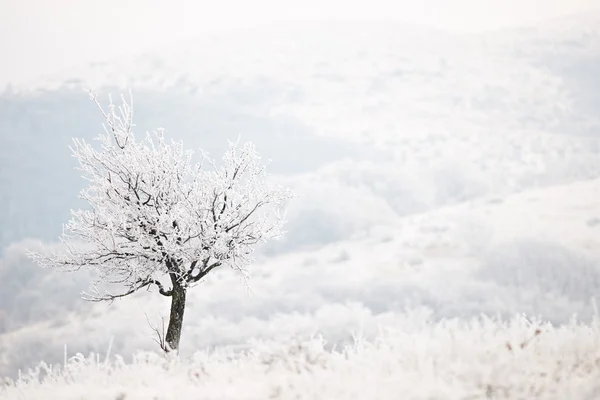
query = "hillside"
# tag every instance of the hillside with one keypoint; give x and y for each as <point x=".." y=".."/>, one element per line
<point x="533" y="252"/>
<point x="435" y="118"/>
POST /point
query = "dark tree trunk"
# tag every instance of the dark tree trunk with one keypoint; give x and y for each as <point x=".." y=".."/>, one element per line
<point x="176" y="317"/>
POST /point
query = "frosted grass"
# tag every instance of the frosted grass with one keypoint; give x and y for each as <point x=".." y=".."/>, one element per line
<point x="415" y="359"/>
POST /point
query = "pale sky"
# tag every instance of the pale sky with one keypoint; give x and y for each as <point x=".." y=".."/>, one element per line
<point x="39" y="37"/>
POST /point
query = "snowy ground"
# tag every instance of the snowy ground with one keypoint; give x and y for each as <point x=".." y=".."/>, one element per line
<point x="412" y="359"/>
<point x="455" y="263"/>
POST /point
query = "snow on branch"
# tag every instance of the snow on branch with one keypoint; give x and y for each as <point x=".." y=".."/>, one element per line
<point x="154" y="213"/>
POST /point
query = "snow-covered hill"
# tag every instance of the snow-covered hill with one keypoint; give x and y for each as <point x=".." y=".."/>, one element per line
<point x="367" y="81"/>
<point x="534" y="252"/>
<point x="397" y="120"/>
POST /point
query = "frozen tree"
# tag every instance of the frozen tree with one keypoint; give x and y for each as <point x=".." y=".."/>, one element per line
<point x="157" y="219"/>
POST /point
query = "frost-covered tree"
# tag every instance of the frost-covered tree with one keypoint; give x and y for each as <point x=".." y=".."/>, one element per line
<point x="157" y="219"/>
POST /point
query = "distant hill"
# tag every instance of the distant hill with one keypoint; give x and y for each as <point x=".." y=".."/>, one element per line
<point x="314" y="96"/>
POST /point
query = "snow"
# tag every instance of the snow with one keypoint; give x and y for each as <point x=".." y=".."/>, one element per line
<point x="424" y="282"/>
<point x="471" y="189"/>
<point x="412" y="358"/>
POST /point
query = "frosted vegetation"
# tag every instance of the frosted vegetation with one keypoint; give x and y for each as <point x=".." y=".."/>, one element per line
<point x="413" y="358"/>
<point x="155" y="215"/>
<point x="448" y="202"/>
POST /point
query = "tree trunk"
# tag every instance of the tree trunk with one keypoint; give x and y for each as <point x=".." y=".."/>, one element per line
<point x="176" y="317"/>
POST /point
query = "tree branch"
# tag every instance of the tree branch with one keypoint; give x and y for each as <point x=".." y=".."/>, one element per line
<point x="244" y="218"/>
<point x="192" y="279"/>
<point x="135" y="288"/>
<point x="113" y="297"/>
<point x="161" y="288"/>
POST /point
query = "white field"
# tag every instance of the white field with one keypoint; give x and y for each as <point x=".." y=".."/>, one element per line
<point x="368" y="350"/>
<point x="415" y="359"/>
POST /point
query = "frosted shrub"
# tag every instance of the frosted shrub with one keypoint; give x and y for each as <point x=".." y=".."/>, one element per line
<point x="156" y="218"/>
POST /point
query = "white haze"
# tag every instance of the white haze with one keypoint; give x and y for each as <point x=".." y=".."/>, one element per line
<point x="38" y="37"/>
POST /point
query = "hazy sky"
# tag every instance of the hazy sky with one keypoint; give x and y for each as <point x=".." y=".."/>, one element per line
<point x="44" y="36"/>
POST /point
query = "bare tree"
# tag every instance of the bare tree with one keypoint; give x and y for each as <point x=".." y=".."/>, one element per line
<point x="153" y="214"/>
